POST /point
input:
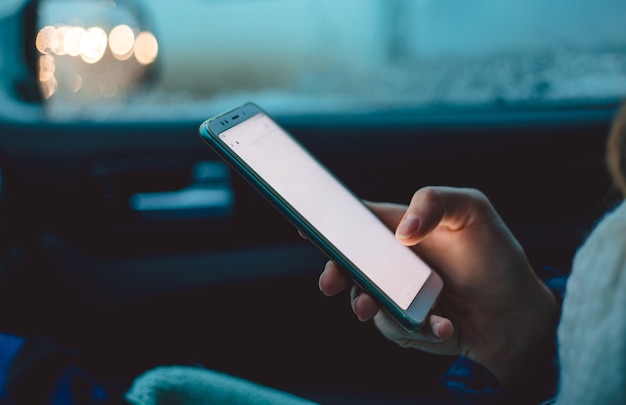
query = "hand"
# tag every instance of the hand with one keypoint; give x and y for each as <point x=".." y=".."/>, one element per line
<point x="493" y="309"/>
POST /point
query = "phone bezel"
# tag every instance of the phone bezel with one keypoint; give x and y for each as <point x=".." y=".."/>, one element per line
<point x="410" y="319"/>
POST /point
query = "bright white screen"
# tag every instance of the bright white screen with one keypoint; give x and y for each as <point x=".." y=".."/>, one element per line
<point x="329" y="207"/>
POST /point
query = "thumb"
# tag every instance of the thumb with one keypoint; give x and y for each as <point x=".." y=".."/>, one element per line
<point x="432" y="207"/>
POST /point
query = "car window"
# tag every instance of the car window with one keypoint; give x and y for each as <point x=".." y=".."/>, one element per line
<point x="181" y="59"/>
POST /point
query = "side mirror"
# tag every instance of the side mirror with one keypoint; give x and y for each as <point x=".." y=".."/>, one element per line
<point x="20" y="94"/>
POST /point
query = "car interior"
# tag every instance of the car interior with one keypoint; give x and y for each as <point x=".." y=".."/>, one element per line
<point x="126" y="239"/>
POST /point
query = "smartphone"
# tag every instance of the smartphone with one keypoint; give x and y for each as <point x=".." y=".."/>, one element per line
<point x="325" y="211"/>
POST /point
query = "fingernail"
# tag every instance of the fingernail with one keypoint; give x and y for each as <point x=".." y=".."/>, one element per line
<point x="408" y="226"/>
<point x="435" y="328"/>
<point x="353" y="303"/>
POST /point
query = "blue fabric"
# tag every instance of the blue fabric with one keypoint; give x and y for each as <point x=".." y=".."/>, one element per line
<point x="56" y="380"/>
<point x="74" y="386"/>
<point x="9" y="347"/>
<point x="471" y="384"/>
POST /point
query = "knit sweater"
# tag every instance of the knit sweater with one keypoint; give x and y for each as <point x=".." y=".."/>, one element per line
<point x="592" y="331"/>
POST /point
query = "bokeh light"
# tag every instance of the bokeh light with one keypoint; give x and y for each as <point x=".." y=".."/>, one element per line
<point x="146" y="48"/>
<point x="73" y="40"/>
<point x="90" y="62"/>
<point x="58" y="40"/>
<point x="76" y="82"/>
<point x="49" y="87"/>
<point x="121" y="41"/>
<point x="93" y="45"/>
<point x="43" y="42"/>
<point x="46" y="67"/>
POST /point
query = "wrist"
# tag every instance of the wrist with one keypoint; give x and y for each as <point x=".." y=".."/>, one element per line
<point x="531" y="351"/>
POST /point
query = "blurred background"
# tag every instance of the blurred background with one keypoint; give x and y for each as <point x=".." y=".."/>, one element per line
<point x="125" y="238"/>
<point x="303" y="57"/>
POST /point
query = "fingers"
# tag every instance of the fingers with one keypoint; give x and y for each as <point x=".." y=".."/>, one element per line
<point x="332" y="281"/>
<point x="363" y="306"/>
<point x="441" y="328"/>
<point x="436" y="336"/>
<point x="438" y="329"/>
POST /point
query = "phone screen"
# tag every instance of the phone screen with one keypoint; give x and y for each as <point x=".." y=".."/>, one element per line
<point x="330" y="209"/>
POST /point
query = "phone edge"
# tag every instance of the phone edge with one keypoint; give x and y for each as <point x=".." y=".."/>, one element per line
<point x="428" y="292"/>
